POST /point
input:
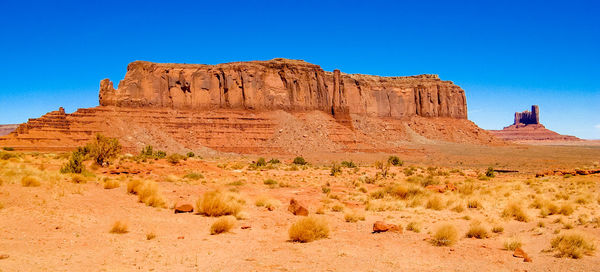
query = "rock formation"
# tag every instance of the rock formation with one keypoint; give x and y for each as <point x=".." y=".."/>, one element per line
<point x="6" y="129"/>
<point x="278" y="106"/>
<point x="527" y="128"/>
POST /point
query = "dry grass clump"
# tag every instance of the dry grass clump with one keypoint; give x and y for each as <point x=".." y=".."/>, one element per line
<point x="30" y="181"/>
<point x="572" y="245"/>
<point x="512" y="243"/>
<point x="414" y="227"/>
<point x="473" y="204"/>
<point x="380" y="205"/>
<point x="337" y="208"/>
<point x="354" y="216"/>
<point x="516" y="211"/>
<point x="445" y="235"/>
<point x="78" y="179"/>
<point x="216" y="203"/>
<point x="222" y="224"/>
<point x="435" y="203"/>
<point x="119" y="228"/>
<point x="477" y="231"/>
<point x="267" y="202"/>
<point x="150" y="236"/>
<point x="309" y="229"/>
<point x="497" y="229"/>
<point x="147" y="192"/>
<point x="566" y="209"/>
<point x="111" y="184"/>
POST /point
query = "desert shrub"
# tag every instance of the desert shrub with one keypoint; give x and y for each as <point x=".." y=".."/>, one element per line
<point x="309" y="229"/>
<point x="260" y="162"/>
<point x="435" y="203"/>
<point x="445" y="235"/>
<point x="414" y="227"/>
<point x="6" y="155"/>
<point x="30" y="181"/>
<point x="336" y="169"/>
<point x="409" y="171"/>
<point x="395" y="161"/>
<point x="514" y="210"/>
<point x="216" y="203"/>
<point x="119" y="228"/>
<point x="274" y="161"/>
<point x="572" y="245"/>
<point x="147" y="151"/>
<point x="222" y="224"/>
<point x="566" y="209"/>
<point x="270" y="182"/>
<point x="458" y="208"/>
<point x="150" y="236"/>
<point x="497" y="229"/>
<point x="159" y="154"/>
<point x="102" y="149"/>
<point x="193" y="176"/>
<point x="174" y="158"/>
<point x="512" y="243"/>
<point x="75" y="164"/>
<point x="299" y="161"/>
<point x="76" y="178"/>
<point x="354" y="216"/>
<point x="190" y="154"/>
<point x="337" y="208"/>
<point x="402" y="191"/>
<point x="473" y="204"/>
<point x="147" y="192"/>
<point x="134" y="186"/>
<point x="326" y="189"/>
<point x="348" y="164"/>
<point x="267" y="202"/>
<point x="490" y="172"/>
<point x="477" y="231"/>
<point x="111" y="184"/>
<point x="6" y="148"/>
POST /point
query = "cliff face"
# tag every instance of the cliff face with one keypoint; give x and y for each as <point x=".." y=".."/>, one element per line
<point x="281" y="84"/>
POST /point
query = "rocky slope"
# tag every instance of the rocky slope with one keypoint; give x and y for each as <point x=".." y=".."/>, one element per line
<point x="278" y="106"/>
<point x="6" y="129"/>
<point x="527" y="128"/>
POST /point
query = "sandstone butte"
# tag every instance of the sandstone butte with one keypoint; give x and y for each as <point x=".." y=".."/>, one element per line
<point x="277" y="106"/>
<point x="527" y="128"/>
<point x="6" y="129"/>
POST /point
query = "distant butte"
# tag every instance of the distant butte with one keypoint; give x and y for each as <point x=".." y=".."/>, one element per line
<point x="527" y="128"/>
<point x="6" y="129"/>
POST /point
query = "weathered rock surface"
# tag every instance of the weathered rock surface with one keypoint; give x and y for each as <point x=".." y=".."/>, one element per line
<point x="296" y="208"/>
<point x="276" y="107"/>
<point x="527" y="128"/>
<point x="380" y="226"/>
<point x="6" y="129"/>
<point x="184" y="208"/>
<point x="281" y="84"/>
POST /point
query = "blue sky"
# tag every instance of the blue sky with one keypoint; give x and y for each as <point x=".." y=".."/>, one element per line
<point x="507" y="55"/>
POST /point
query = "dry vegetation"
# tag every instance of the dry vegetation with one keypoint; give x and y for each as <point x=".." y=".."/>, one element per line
<point x="309" y="229"/>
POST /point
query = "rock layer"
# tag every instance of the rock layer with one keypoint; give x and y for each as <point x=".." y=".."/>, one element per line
<point x="280" y="84"/>
<point x="6" y="129"/>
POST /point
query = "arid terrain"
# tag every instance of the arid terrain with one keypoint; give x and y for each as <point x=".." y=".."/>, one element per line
<point x="63" y="222"/>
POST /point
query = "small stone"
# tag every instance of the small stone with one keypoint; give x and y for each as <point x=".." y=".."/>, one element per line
<point x="296" y="208"/>
<point x="380" y="226"/>
<point x="4" y="256"/>
<point x="185" y="208"/>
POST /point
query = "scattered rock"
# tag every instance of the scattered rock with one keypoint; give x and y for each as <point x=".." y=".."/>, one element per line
<point x="519" y="253"/>
<point x="380" y="226"/>
<point x="181" y="237"/>
<point x="296" y="208"/>
<point x="246" y="227"/>
<point x="4" y="256"/>
<point x="185" y="208"/>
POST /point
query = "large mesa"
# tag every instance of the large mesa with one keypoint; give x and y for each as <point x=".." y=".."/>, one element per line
<point x="275" y="106"/>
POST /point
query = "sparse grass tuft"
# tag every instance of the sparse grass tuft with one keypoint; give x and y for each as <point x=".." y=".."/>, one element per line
<point x="216" y="203"/>
<point x="193" y="176"/>
<point x="497" y="229"/>
<point x="435" y="203"/>
<point x="150" y="236"/>
<point x="222" y="224"/>
<point x="111" y="184"/>
<point x="566" y="209"/>
<point x="354" y="216"/>
<point x="414" y="227"/>
<point x="473" y="204"/>
<point x="572" y="245"/>
<point x="477" y="231"/>
<point x="445" y="235"/>
<point x="30" y="181"/>
<point x="512" y="243"/>
<point x="119" y="228"/>
<point x="309" y="229"/>
<point x="269" y="203"/>
<point x="515" y="210"/>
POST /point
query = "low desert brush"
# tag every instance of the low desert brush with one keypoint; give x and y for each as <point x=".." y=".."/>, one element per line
<point x="354" y="216"/>
<point x="566" y="209"/>
<point x="516" y="211"/>
<point x="445" y="235"/>
<point x="222" y="224"/>
<point x="216" y="203"/>
<point x="572" y="245"/>
<point x="30" y="181"/>
<point x="150" y="236"/>
<point x="269" y="203"/>
<point x="147" y="192"/>
<point x="512" y="243"/>
<point x="477" y="230"/>
<point x="473" y="204"/>
<point x="119" y="228"/>
<point x="435" y="203"/>
<point x="111" y="184"/>
<point x="414" y="227"/>
<point x="309" y="229"/>
<point x="337" y="208"/>
<point x="497" y="229"/>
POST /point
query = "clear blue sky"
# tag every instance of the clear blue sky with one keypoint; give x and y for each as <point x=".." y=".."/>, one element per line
<point x="507" y="55"/>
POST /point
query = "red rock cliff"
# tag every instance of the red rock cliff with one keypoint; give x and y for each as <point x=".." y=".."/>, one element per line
<point x="290" y="85"/>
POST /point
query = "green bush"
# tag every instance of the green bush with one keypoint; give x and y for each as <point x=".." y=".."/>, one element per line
<point x="160" y="154"/>
<point x="102" y="149"/>
<point x="74" y="165"/>
<point x="490" y="172"/>
<point x="299" y="161"/>
<point x="395" y="161"/>
<point x="6" y="148"/>
<point x="175" y="158"/>
<point x="6" y="155"/>
<point x="336" y="169"/>
<point x="260" y="162"/>
<point x="190" y="154"/>
<point x="348" y="164"/>
<point x="274" y="161"/>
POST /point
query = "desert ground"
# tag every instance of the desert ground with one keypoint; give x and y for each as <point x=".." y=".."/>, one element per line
<point x="450" y="211"/>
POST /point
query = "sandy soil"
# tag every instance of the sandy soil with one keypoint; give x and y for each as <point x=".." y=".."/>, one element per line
<point x="63" y="226"/>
